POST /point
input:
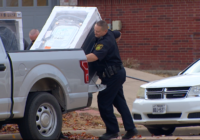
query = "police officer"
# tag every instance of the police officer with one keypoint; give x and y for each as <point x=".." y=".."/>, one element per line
<point x="107" y="62"/>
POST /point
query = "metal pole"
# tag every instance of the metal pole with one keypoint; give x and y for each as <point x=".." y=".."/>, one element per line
<point x="137" y="79"/>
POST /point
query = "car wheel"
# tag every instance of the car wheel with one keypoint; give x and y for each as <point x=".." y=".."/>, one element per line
<point x="42" y="118"/>
<point x="161" y="130"/>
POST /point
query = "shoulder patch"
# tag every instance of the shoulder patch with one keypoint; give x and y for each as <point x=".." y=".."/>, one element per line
<point x="99" y="47"/>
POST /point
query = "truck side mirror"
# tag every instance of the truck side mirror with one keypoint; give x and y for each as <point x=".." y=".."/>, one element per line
<point x="180" y="73"/>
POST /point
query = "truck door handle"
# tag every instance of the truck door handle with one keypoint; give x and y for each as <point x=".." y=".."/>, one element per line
<point x="2" y="67"/>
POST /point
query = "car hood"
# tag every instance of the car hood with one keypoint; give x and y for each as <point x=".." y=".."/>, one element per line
<point x="175" y="81"/>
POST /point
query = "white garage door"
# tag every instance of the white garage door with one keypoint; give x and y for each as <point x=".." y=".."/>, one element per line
<point x="34" y="12"/>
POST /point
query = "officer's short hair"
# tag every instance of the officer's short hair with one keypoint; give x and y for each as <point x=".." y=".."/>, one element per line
<point x="102" y="24"/>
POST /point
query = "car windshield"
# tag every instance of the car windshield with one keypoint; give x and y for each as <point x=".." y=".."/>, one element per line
<point x="194" y="68"/>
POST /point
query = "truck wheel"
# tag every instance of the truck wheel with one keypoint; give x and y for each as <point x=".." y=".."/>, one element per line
<point x="161" y="130"/>
<point x="42" y="118"/>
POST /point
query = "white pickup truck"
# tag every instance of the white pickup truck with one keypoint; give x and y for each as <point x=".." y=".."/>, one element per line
<point x="37" y="86"/>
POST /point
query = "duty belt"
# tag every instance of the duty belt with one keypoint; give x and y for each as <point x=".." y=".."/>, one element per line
<point x="111" y="70"/>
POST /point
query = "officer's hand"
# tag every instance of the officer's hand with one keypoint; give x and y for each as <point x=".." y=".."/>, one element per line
<point x="117" y="39"/>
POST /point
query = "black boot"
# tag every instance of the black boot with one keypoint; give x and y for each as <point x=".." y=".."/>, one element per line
<point x="130" y="134"/>
<point x="107" y="136"/>
<point x="62" y="136"/>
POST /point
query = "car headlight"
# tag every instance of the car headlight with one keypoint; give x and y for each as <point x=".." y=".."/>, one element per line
<point x="194" y="91"/>
<point x="141" y="93"/>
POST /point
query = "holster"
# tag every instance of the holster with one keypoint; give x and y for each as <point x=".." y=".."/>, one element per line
<point x="111" y="70"/>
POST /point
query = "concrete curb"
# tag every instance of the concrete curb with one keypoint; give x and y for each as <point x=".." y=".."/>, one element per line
<point x="10" y="136"/>
<point x="182" y="131"/>
<point x="99" y="132"/>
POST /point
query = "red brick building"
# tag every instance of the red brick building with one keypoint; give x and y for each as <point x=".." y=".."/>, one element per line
<point x="159" y="34"/>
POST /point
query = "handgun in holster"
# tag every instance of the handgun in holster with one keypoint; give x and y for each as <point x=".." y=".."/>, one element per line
<point x="114" y="69"/>
<point x="109" y="71"/>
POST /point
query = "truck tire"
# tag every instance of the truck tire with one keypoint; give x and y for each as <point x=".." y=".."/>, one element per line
<point x="42" y="118"/>
<point x="157" y="131"/>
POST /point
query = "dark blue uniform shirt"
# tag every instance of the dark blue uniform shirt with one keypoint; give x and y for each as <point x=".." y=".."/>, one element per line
<point x="107" y="51"/>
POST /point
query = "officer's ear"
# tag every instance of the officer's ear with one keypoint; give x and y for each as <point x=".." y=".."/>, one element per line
<point x="106" y="30"/>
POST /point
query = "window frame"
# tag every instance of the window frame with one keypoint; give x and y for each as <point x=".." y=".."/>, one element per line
<point x="26" y="6"/>
<point x="48" y="2"/>
<point x="4" y="5"/>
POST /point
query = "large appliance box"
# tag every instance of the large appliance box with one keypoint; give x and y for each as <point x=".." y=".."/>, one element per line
<point x="67" y="28"/>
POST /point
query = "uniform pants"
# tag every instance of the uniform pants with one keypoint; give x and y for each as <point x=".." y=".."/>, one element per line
<point x="113" y="95"/>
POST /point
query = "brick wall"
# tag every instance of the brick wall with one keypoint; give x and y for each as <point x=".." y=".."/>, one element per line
<point x="157" y="34"/>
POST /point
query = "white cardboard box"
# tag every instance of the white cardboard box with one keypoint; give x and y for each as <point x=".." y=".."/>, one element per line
<point x="66" y="28"/>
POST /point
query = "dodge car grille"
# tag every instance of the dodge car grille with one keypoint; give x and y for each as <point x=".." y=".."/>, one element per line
<point x="167" y="93"/>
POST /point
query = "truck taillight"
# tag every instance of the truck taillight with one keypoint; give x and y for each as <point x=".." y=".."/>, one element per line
<point x="84" y="66"/>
